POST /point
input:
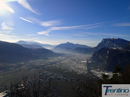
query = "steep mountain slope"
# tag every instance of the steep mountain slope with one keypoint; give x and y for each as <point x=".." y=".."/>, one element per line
<point x="108" y="58"/>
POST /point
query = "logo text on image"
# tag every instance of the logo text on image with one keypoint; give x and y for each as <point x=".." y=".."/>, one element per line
<point x="115" y="90"/>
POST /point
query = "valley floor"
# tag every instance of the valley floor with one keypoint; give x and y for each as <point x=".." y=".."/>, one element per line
<point x="67" y="70"/>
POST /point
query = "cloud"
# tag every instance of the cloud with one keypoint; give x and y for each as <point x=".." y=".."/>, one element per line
<point x="106" y="34"/>
<point x="26" y="5"/>
<point x="3" y="35"/>
<point x="64" y="28"/>
<point x="9" y="38"/>
<point x="44" y="33"/>
<point x="45" y="23"/>
<point x="9" y="9"/>
<point x="89" y="26"/>
<point x="26" y="20"/>
<point x="5" y="26"/>
<point x="121" y="24"/>
<point x="50" y="23"/>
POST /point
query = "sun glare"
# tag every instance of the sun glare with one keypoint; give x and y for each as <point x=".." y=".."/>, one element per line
<point x="4" y="7"/>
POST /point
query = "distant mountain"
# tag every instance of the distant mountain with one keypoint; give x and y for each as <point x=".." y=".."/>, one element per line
<point x="108" y="58"/>
<point x="22" y="42"/>
<point x="69" y="46"/>
<point x="29" y="44"/>
<point x="34" y="45"/>
<point x="112" y="43"/>
<point x="11" y="52"/>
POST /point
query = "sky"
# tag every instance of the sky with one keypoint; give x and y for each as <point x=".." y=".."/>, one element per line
<point x="58" y="21"/>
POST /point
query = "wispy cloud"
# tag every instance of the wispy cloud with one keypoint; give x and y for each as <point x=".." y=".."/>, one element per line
<point x="3" y="35"/>
<point x="26" y="5"/>
<point x="121" y="24"/>
<point x="44" y="33"/>
<point x="65" y="28"/>
<point x="9" y="38"/>
<point x="89" y="26"/>
<point x="26" y="20"/>
<point x="116" y="35"/>
<point x="9" y="9"/>
<point x="107" y="34"/>
<point x="50" y="23"/>
<point x="46" y="23"/>
<point x="5" y="26"/>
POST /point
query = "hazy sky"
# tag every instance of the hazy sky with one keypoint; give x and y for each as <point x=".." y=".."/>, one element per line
<point x="58" y="21"/>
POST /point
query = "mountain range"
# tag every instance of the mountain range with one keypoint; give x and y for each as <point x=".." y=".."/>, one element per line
<point x="78" y="48"/>
<point x="106" y="42"/>
<point x="26" y="50"/>
<point x="12" y="52"/>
